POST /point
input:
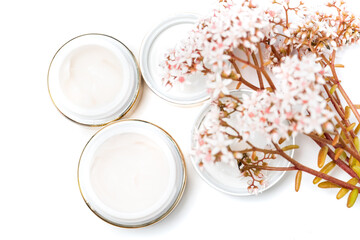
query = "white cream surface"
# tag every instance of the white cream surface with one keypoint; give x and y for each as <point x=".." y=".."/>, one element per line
<point x="91" y="76"/>
<point x="130" y="173"/>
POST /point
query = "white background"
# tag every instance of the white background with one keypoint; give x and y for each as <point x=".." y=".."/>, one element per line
<point x="39" y="151"/>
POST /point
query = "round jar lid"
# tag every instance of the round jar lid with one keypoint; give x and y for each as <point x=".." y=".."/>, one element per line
<point x="226" y="178"/>
<point x="154" y="47"/>
<point x="131" y="173"/>
<point x="94" y="79"/>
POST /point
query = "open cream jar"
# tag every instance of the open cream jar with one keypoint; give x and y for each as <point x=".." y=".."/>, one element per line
<point x="131" y="173"/>
<point x="156" y="43"/>
<point x="94" y="79"/>
<point x="227" y="178"/>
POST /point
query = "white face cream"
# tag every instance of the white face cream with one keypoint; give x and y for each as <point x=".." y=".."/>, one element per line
<point x="93" y="79"/>
<point x="131" y="173"/>
<point x="91" y="76"/>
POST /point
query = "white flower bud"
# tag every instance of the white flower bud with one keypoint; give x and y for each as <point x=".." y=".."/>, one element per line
<point x="287" y="32"/>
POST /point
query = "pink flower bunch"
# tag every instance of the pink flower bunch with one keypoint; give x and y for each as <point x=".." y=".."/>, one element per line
<point x="296" y="106"/>
<point x="292" y="50"/>
<point x="244" y="24"/>
<point x="212" y="143"/>
<point x="320" y="30"/>
<point x="207" y="46"/>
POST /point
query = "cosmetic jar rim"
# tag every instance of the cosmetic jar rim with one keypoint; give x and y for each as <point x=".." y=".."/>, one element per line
<point x="172" y="204"/>
<point x="146" y="45"/>
<point x="134" y="98"/>
<point x="197" y="123"/>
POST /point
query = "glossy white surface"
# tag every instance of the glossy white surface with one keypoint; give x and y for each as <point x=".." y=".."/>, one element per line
<point x="130" y="173"/>
<point x="91" y="76"/>
<point x="40" y="149"/>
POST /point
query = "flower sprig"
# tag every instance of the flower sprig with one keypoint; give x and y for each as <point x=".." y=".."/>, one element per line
<point x="292" y="49"/>
<point x="208" y="47"/>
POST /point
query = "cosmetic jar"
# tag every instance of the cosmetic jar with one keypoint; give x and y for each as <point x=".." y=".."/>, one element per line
<point x="154" y="47"/>
<point x="131" y="173"/>
<point x="94" y="79"/>
<point x="227" y="178"/>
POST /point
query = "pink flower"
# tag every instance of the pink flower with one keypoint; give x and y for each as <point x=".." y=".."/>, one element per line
<point x="230" y="25"/>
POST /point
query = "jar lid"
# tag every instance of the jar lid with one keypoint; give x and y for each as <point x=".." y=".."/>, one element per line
<point x="94" y="79"/>
<point x="131" y="173"/>
<point x="154" y="47"/>
<point x="226" y="178"/>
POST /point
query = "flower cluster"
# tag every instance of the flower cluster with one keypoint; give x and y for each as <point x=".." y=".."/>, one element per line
<point x="292" y="50"/>
<point x="212" y="143"/>
<point x="243" y="24"/>
<point x="312" y="30"/>
<point x="208" y="46"/>
<point x="296" y="106"/>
